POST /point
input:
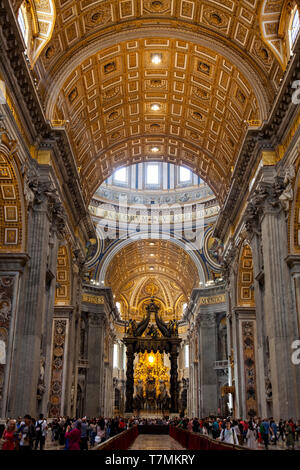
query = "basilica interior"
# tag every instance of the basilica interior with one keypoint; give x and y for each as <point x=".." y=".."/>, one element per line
<point x="150" y="208"/>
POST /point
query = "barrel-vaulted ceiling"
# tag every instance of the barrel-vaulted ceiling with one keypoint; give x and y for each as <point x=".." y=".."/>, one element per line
<point x="154" y="258"/>
<point x="220" y="68"/>
<point x="203" y="98"/>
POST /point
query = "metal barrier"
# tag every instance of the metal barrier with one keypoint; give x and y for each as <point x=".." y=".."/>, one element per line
<point x="194" y="441"/>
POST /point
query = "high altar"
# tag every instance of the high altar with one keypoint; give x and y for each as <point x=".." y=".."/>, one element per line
<point x="152" y="386"/>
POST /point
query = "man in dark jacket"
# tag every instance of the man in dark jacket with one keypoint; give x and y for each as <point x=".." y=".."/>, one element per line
<point x="26" y="434"/>
<point x="196" y="425"/>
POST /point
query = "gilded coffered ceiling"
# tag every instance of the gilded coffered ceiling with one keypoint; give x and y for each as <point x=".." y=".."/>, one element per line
<point x="135" y="295"/>
<point x="158" y="262"/>
<point x="219" y="69"/>
<point x="203" y="101"/>
<point x="240" y="24"/>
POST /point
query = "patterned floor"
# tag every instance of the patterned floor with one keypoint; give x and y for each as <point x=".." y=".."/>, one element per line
<point x="155" y="442"/>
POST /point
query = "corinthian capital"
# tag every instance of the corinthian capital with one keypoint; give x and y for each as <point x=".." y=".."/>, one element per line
<point x="228" y="261"/>
<point x="266" y="197"/>
<point x="207" y="320"/>
<point x="42" y="190"/>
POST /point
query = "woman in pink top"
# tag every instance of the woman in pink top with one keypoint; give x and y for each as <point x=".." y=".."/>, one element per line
<point x="74" y="437"/>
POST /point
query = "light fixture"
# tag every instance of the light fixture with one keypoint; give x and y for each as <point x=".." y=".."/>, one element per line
<point x="156" y="59"/>
<point x="151" y="359"/>
<point x="154" y="149"/>
<point x="151" y="244"/>
<point x="152" y="254"/>
<point x="151" y="268"/>
<point x="155" y="107"/>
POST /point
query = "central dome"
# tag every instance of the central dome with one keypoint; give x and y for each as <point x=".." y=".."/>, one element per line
<point x="154" y="183"/>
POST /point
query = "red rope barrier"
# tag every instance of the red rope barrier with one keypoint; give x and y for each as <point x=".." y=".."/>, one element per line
<point x="193" y="441"/>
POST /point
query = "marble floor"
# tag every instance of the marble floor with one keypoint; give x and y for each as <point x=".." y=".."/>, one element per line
<point x="155" y="442"/>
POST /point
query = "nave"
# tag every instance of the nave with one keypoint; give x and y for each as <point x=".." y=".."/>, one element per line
<point x="149" y="217"/>
<point x="155" y="442"/>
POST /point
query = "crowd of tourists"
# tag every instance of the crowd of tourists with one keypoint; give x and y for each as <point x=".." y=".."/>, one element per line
<point x="251" y="433"/>
<point x="27" y="434"/>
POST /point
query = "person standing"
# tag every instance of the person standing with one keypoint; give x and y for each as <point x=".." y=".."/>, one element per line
<point x="281" y="429"/>
<point x="26" y="434"/>
<point x="236" y="428"/>
<point x="74" y="437"/>
<point x="274" y="430"/>
<point x="195" y="425"/>
<point x="9" y="436"/>
<point x="290" y="435"/>
<point x="41" y="432"/>
<point x="241" y="428"/>
<point x="297" y="431"/>
<point x="84" y="435"/>
<point x="265" y="431"/>
<point x="215" y="429"/>
<point x="251" y="437"/>
<point x="228" y="434"/>
<point x="101" y="431"/>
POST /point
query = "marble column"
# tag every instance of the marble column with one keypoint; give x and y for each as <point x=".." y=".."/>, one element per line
<point x="95" y="371"/>
<point x="60" y="362"/>
<point x="74" y="335"/>
<point x="34" y="319"/>
<point x="12" y="266"/>
<point x="277" y="303"/>
<point x="129" y="379"/>
<point x="278" y="323"/>
<point x="174" y="378"/>
<point x="262" y="367"/>
<point x="208" y="355"/>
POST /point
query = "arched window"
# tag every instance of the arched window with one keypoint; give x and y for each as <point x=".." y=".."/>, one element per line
<point x="121" y="175"/>
<point x="152" y="174"/>
<point x="21" y="21"/>
<point x="186" y="355"/>
<point x="294" y="26"/>
<point x="185" y="175"/>
<point x="116" y="356"/>
<point x="36" y="20"/>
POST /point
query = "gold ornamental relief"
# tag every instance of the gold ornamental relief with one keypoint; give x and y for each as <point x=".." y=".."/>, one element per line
<point x="151" y="367"/>
<point x="157" y="6"/>
<point x="151" y="288"/>
<point x="93" y="299"/>
<point x="217" y="299"/>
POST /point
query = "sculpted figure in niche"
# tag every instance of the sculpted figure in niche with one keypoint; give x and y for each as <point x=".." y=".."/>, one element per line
<point x="41" y="383"/>
<point x="2" y="352"/>
<point x="288" y="193"/>
<point x="138" y="400"/>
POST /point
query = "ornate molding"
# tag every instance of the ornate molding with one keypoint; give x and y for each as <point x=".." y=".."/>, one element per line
<point x="267" y="137"/>
<point x="93" y="299"/>
<point x="207" y="320"/>
<point x="219" y="44"/>
<point x="44" y="193"/>
<point x="228" y="260"/>
<point x="60" y="327"/>
<point x="216" y="299"/>
<point x="96" y="319"/>
<point x="265" y="198"/>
